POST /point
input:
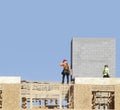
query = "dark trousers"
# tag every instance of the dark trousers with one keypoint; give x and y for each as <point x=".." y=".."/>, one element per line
<point x="106" y="76"/>
<point x="63" y="77"/>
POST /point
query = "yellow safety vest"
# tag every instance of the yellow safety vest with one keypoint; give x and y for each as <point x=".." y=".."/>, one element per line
<point x="106" y="71"/>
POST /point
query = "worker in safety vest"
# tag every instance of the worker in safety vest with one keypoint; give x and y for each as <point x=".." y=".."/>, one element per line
<point x="106" y="72"/>
<point x="65" y="71"/>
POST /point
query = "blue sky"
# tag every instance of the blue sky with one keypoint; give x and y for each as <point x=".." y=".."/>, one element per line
<point x="35" y="35"/>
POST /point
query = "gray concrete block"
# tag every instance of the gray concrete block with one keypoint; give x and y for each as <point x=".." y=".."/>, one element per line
<point x="89" y="55"/>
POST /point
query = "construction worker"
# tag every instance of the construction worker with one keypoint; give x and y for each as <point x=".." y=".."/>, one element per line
<point x="106" y="72"/>
<point x="66" y="70"/>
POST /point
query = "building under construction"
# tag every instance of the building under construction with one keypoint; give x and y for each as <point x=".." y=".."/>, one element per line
<point x="88" y="90"/>
<point x="83" y="94"/>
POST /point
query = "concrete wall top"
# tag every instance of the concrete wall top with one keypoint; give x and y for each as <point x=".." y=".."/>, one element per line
<point x="10" y="80"/>
<point x="97" y="81"/>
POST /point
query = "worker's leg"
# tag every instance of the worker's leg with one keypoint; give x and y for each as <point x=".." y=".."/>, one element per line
<point x="63" y="77"/>
<point x="67" y="75"/>
<point x="106" y="76"/>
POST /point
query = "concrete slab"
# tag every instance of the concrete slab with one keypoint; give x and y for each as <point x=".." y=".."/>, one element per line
<point x="97" y="81"/>
<point x="10" y="79"/>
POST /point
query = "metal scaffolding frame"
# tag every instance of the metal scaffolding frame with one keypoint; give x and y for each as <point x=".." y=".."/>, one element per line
<point x="46" y="95"/>
<point x="103" y="97"/>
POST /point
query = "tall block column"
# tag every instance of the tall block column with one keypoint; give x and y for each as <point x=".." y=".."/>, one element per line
<point x="117" y="97"/>
<point x="82" y="97"/>
<point x="10" y="93"/>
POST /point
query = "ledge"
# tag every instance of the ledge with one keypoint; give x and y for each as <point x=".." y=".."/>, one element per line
<point x="97" y="81"/>
<point x="9" y="80"/>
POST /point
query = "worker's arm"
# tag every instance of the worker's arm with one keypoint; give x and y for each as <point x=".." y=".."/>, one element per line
<point x="62" y="64"/>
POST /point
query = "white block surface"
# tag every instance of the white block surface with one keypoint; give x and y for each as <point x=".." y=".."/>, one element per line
<point x="10" y="80"/>
<point x="97" y="81"/>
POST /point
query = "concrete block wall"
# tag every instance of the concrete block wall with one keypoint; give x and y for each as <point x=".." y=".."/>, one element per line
<point x="82" y="97"/>
<point x="84" y="86"/>
<point x="89" y="55"/>
<point x="10" y="87"/>
<point x="117" y="97"/>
